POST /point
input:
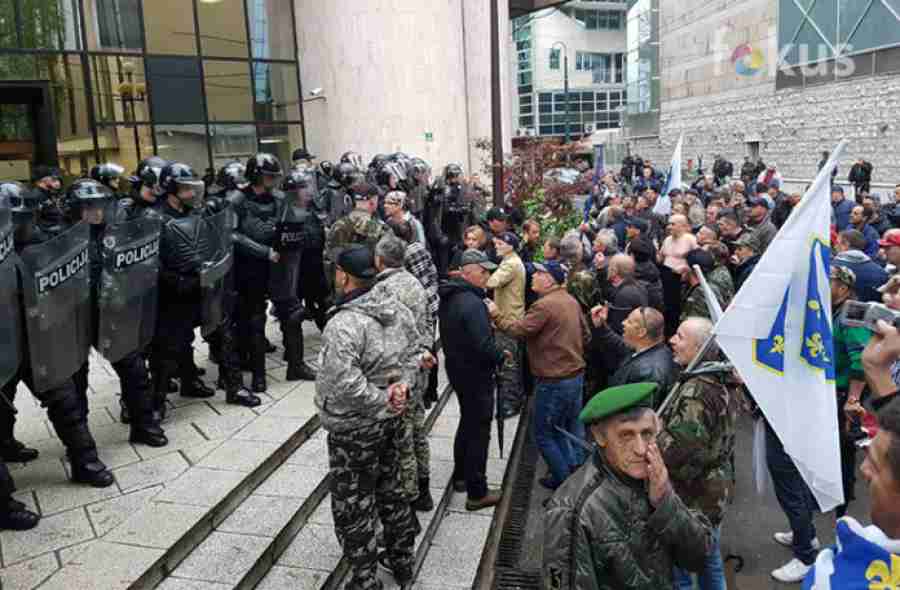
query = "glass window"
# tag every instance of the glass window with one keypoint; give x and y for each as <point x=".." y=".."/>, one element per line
<point x="125" y="144"/>
<point x="525" y="99"/>
<point x="554" y="59"/>
<point x="227" y="90"/>
<point x="527" y="89"/>
<point x="271" y="29"/>
<point x="118" y="25"/>
<point x="545" y="97"/>
<point x="46" y="24"/>
<point x="169" y="27"/>
<point x="120" y="89"/>
<point x="546" y="130"/>
<point x="279" y="140"/>
<point x="620" y="68"/>
<point x="183" y="143"/>
<point x="592" y="20"/>
<point x="525" y="109"/>
<point x="223" y="28"/>
<point x="526" y="121"/>
<point x="546" y="119"/>
<point x="176" y="94"/>
<point x="277" y="92"/>
<point x="232" y="142"/>
<point x="68" y="92"/>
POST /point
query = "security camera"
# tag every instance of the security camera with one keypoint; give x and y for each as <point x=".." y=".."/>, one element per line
<point x="315" y="92"/>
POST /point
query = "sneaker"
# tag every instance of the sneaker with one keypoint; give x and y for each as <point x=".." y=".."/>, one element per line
<point x="787" y="539"/>
<point x="792" y="572"/>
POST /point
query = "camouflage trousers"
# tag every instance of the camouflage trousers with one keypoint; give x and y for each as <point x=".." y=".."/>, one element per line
<point x="415" y="454"/>
<point x="365" y="486"/>
<point x="510" y="387"/>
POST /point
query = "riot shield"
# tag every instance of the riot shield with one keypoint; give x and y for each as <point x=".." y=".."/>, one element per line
<point x="215" y="270"/>
<point x="289" y="243"/>
<point x="10" y="327"/>
<point x="128" y="287"/>
<point x="57" y="288"/>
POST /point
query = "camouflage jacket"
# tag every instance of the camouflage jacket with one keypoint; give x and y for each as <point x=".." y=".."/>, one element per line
<point x="601" y="533"/>
<point x="720" y="278"/>
<point x="697" y="440"/>
<point x="582" y="286"/>
<point x="359" y="227"/>
<point x="366" y="346"/>
<point x="693" y="302"/>
<point x="398" y="283"/>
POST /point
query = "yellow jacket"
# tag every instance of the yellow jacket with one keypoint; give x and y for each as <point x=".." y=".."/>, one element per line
<point x="508" y="284"/>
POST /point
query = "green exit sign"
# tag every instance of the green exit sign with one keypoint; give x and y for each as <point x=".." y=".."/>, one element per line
<point x="429" y="136"/>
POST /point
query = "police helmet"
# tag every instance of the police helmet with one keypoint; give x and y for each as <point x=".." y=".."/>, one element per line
<point x="149" y="169"/>
<point x="453" y="172"/>
<point x="232" y="176"/>
<point x="177" y="175"/>
<point x="353" y="158"/>
<point x="263" y="164"/>
<point x="343" y="173"/>
<point x="298" y="179"/>
<point x="108" y="174"/>
<point x="17" y="196"/>
<point x="88" y="190"/>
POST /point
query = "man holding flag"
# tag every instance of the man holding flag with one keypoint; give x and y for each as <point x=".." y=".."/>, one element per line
<point x="664" y="204"/>
<point x="778" y="334"/>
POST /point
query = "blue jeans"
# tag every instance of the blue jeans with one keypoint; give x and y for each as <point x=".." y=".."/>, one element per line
<point x="793" y="495"/>
<point x="713" y="575"/>
<point x="558" y="403"/>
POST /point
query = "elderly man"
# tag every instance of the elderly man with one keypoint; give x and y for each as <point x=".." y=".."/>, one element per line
<point x="693" y="303"/>
<point x="640" y="354"/>
<point x="746" y="256"/>
<point x="760" y="224"/>
<point x="395" y="281"/>
<point x="471" y="360"/>
<point x="367" y="371"/>
<point x="617" y="522"/>
<point x="395" y="209"/>
<point x="508" y="284"/>
<point x="626" y="294"/>
<point x="697" y="440"/>
<point x="556" y="335"/>
<point x="890" y="247"/>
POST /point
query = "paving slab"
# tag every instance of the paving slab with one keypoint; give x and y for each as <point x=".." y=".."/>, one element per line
<point x="151" y="472"/>
<point x="313" y="453"/>
<point x="281" y="578"/>
<point x="239" y="455"/>
<point x="222" y="557"/>
<point x="180" y="435"/>
<point x="200" y="486"/>
<point x="296" y="481"/>
<point x="301" y="404"/>
<point x="104" y="565"/>
<point x="275" y="429"/>
<point x="54" y="532"/>
<point x="315" y="547"/>
<point x="261" y="515"/>
<point x="28" y="574"/>
<point x="158" y="524"/>
<point x="184" y="584"/>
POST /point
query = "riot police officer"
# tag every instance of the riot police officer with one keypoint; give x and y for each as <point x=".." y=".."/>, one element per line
<point x="312" y="289"/>
<point x="54" y="217"/>
<point x="124" y="265"/>
<point x="449" y="212"/>
<point x="109" y="174"/>
<point x="260" y="209"/>
<point x="54" y="312"/>
<point x="186" y="244"/>
<point x="418" y="182"/>
<point x="335" y="196"/>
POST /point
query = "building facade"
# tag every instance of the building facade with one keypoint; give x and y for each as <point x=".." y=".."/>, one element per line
<point x="779" y="79"/>
<point x="587" y="36"/>
<point x="202" y="81"/>
<point x="401" y="75"/>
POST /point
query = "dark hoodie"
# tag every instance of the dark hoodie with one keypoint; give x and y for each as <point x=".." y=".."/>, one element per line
<point x="466" y="335"/>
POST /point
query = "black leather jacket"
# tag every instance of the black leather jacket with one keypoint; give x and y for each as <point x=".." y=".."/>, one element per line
<point x="654" y="365"/>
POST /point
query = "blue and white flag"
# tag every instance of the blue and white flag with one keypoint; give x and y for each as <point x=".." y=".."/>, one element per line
<point x="664" y="203"/>
<point x="863" y="558"/>
<point x="777" y="332"/>
<point x="600" y="166"/>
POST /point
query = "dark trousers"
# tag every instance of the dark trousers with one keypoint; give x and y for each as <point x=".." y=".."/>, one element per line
<point x="473" y="437"/>
<point x="671" y="284"/>
<point x="172" y="352"/>
<point x="793" y="495"/>
<point x="7" y="487"/>
<point x="848" y="455"/>
<point x="137" y="390"/>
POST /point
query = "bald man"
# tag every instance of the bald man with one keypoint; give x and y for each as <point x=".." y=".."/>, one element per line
<point x="626" y="293"/>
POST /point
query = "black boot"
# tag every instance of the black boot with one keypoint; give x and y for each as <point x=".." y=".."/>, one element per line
<point x="13" y="451"/>
<point x="196" y="388"/>
<point x="171" y="385"/>
<point x="297" y="369"/>
<point x="424" y="503"/>
<point x="124" y="414"/>
<point x="17" y="517"/>
<point x="92" y="472"/>
<point x="242" y="397"/>
<point x="259" y="383"/>
<point x="152" y="436"/>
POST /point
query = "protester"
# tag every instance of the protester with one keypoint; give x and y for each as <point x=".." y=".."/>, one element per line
<point x="720" y="277"/>
<point x="890" y="246"/>
<point x="640" y="354"/>
<point x="869" y="274"/>
<point x="707" y="234"/>
<point x="617" y="523"/>
<point x="672" y="255"/>
<point x="694" y="302"/>
<point x="508" y="285"/>
<point x="859" y="223"/>
<point x="472" y="359"/>
<point x="531" y="235"/>
<point x="746" y="256"/>
<point x="551" y="248"/>
<point x="760" y="224"/>
<point x="697" y="440"/>
<point x="626" y="293"/>
<point x="556" y="334"/>
<point x="840" y="207"/>
<point x="646" y="273"/>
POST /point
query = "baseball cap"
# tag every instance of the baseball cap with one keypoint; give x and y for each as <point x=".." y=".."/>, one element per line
<point x="891" y="239"/>
<point x="637" y="222"/>
<point x="357" y="261"/>
<point x="758" y="202"/>
<point x="747" y="241"/>
<point x="301" y="154"/>
<point x="478" y="257"/>
<point x="508" y="237"/>
<point x="497" y="213"/>
<point x="553" y="268"/>
<point x="844" y="275"/>
<point x="702" y="258"/>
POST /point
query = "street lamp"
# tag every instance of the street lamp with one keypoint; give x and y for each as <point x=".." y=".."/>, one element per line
<point x="565" y="81"/>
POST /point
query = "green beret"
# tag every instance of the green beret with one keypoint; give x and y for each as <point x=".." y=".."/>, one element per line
<point x="617" y="399"/>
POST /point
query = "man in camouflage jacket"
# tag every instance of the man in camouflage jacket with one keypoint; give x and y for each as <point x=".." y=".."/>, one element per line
<point x="697" y="440"/>
<point x="360" y="226"/>
<point x="361" y="390"/>
<point x="395" y="281"/>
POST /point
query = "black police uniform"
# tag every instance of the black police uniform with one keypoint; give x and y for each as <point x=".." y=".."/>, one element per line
<point x="447" y="216"/>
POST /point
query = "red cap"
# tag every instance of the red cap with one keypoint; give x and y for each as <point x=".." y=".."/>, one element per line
<point x="892" y="239"/>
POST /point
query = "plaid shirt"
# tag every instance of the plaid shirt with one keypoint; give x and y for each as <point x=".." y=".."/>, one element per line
<point x="419" y="264"/>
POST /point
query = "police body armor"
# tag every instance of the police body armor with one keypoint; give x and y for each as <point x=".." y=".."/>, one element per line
<point x="10" y="328"/>
<point x="57" y="291"/>
<point x="290" y="240"/>
<point x="217" y="263"/>
<point x="128" y="294"/>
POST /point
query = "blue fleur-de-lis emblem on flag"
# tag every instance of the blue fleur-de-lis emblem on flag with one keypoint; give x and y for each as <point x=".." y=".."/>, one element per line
<point x="818" y="343"/>
<point x="769" y="352"/>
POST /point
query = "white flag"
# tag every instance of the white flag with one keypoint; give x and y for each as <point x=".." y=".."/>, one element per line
<point x="777" y="332"/>
<point x="712" y="302"/>
<point x="664" y="203"/>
